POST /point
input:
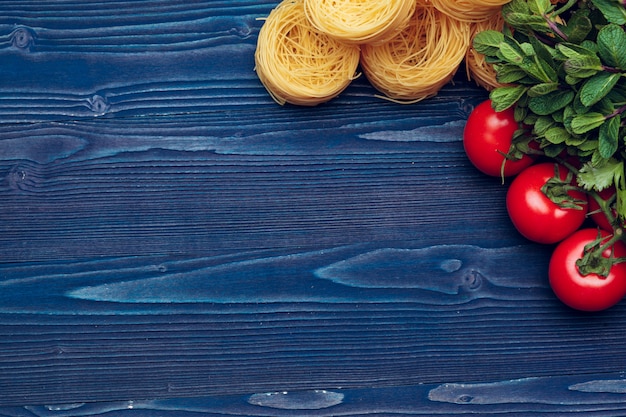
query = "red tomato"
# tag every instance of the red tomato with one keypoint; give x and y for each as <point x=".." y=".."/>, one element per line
<point x="533" y="214"/>
<point x="597" y="215"/>
<point x="487" y="137"/>
<point x="592" y="292"/>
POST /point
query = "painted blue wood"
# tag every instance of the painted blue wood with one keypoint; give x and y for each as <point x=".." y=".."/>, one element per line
<point x="172" y="242"/>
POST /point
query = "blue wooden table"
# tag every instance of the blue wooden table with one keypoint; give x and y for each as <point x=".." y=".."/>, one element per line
<point x="174" y="243"/>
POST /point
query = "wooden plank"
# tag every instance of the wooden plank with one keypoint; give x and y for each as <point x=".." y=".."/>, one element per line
<point x="242" y="181"/>
<point x="594" y="396"/>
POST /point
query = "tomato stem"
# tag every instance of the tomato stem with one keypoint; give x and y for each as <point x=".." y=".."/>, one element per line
<point x="593" y="259"/>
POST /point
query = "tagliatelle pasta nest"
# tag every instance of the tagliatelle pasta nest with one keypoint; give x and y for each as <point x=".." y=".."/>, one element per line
<point x="299" y="65"/>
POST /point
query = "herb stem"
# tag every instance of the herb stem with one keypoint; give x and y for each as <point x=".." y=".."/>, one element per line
<point x="553" y="26"/>
<point x="566" y="7"/>
<point x="617" y="112"/>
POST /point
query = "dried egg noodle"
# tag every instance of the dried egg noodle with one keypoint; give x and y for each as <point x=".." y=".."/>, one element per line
<point x="469" y="10"/>
<point x="359" y="21"/>
<point x="299" y="65"/>
<point x="421" y="59"/>
<point x="477" y="69"/>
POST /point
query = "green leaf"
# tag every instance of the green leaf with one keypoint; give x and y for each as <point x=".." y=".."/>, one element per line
<point x="558" y="116"/>
<point x="543" y="51"/>
<point x="539" y="7"/>
<point x="617" y="95"/>
<point x="585" y="122"/>
<point x="576" y="141"/>
<point x="488" y="42"/>
<point x="597" y="87"/>
<point x="516" y="6"/>
<point x="527" y="48"/>
<point x="510" y="51"/>
<point x="570" y="50"/>
<point x="551" y="102"/>
<point x="588" y="145"/>
<point x="612" y="46"/>
<point x="600" y="176"/>
<point x="612" y="10"/>
<point x="505" y="97"/>
<point x="583" y="66"/>
<point x="509" y="73"/>
<point x="548" y="70"/>
<point x="542" y="124"/>
<point x="571" y="80"/>
<point x="605" y="106"/>
<point x="578" y="107"/>
<point x="520" y="113"/>
<point x="542" y="89"/>
<point x="557" y="135"/>
<point x="523" y="21"/>
<point x="589" y="45"/>
<point x="530" y="118"/>
<point x="552" y="151"/>
<point x="537" y="69"/>
<point x="609" y="137"/>
<point x="578" y="27"/>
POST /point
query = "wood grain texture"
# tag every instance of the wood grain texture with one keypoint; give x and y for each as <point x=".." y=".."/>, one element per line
<point x="172" y="242"/>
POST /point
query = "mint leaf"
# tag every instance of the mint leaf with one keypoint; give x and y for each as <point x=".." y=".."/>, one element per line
<point x="551" y="102"/>
<point x="516" y="6"/>
<point x="557" y="135"/>
<point x="542" y="124"/>
<point x="609" y="137"/>
<point x="526" y="22"/>
<point x="542" y="88"/>
<point x="511" y="51"/>
<point x="505" y="97"/>
<point x="539" y="7"/>
<point x="612" y="10"/>
<point x="582" y="66"/>
<point x="570" y="50"/>
<point x="585" y="122"/>
<point x="612" y="46"/>
<point x="578" y="27"/>
<point x="576" y="141"/>
<point x="597" y="87"/>
<point x="509" y="73"/>
<point x="488" y="42"/>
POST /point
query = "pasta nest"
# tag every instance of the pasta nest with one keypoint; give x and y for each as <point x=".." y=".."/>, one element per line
<point x="421" y="59"/>
<point x="469" y="10"/>
<point x="482" y="72"/>
<point x="296" y="63"/>
<point x="359" y="21"/>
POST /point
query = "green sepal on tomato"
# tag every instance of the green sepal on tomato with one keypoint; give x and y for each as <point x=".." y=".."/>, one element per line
<point x="488" y="138"/>
<point x="588" y="291"/>
<point x="530" y="203"/>
<point x="599" y="214"/>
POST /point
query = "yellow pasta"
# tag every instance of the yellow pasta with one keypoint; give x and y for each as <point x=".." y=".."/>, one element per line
<point x="299" y="65"/>
<point x="477" y="69"/>
<point x="421" y="59"/>
<point x="359" y="21"/>
<point x="469" y="10"/>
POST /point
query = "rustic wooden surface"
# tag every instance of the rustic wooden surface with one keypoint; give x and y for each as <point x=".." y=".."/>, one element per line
<point x="174" y="243"/>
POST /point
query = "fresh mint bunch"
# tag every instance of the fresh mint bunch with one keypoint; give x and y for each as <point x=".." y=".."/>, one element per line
<point x="563" y="67"/>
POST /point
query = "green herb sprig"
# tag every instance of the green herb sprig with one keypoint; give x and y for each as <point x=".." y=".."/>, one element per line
<point x="563" y="67"/>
